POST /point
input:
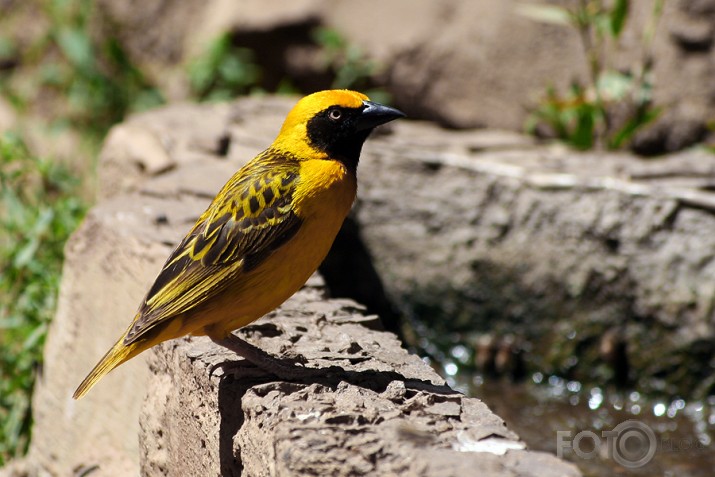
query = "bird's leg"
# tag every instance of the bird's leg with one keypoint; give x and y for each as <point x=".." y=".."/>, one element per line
<point x="264" y="360"/>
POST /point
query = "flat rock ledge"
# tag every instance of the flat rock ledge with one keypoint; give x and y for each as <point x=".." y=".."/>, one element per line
<point x="381" y="412"/>
<point x="377" y="410"/>
<point x="490" y="233"/>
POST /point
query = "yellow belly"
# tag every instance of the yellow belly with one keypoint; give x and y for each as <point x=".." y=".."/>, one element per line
<point x="323" y="198"/>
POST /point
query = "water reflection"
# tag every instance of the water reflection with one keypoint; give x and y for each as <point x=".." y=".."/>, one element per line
<point x="539" y="408"/>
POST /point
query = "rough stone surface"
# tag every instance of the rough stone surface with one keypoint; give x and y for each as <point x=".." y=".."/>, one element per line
<point x="460" y="62"/>
<point x="376" y="411"/>
<point x="554" y="246"/>
<point x="482" y="229"/>
<point x="110" y="262"/>
<point x="488" y="232"/>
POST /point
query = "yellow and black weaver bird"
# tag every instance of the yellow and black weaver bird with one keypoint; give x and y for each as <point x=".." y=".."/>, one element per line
<point x="263" y="235"/>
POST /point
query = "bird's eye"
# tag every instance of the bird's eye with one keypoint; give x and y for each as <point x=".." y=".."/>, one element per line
<point x="335" y="114"/>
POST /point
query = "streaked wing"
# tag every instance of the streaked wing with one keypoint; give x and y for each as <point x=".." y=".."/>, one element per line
<point x="250" y="218"/>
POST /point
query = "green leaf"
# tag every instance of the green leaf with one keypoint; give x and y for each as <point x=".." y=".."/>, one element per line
<point x="618" y="16"/>
<point x="8" y="49"/>
<point x="614" y="85"/>
<point x="625" y="134"/>
<point x="545" y="13"/>
<point x="328" y="38"/>
<point x="584" y="131"/>
<point x="26" y="253"/>
<point x="76" y="47"/>
<point x="35" y="337"/>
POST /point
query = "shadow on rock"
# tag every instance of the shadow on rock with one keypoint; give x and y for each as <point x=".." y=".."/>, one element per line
<point x="240" y="379"/>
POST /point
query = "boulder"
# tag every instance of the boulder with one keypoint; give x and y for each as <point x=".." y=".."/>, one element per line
<point x="376" y="410"/>
<point x="459" y="62"/>
<point x="165" y="412"/>
<point x="110" y="262"/>
<point x="488" y="232"/>
<point x="569" y="252"/>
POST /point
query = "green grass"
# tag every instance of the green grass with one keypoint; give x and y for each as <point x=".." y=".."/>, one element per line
<point x="64" y="77"/>
<point x="39" y="208"/>
<point x="71" y="78"/>
<point x="74" y="78"/>
<point x="349" y="65"/>
<point x="610" y="106"/>
<point x="223" y="71"/>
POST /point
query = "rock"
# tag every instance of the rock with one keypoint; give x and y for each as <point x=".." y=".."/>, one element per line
<point x="462" y="63"/>
<point x="549" y="242"/>
<point x="145" y="146"/>
<point x="472" y="230"/>
<point x="110" y="263"/>
<point x="8" y="116"/>
<point x="384" y="413"/>
<point x="488" y="232"/>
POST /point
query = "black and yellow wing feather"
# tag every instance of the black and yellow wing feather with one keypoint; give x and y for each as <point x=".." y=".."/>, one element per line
<point x="249" y="219"/>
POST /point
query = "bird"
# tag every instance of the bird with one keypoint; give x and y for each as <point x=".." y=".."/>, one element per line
<point x="263" y="235"/>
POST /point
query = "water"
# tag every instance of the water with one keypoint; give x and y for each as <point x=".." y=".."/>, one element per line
<point x="655" y="437"/>
<point x="604" y="431"/>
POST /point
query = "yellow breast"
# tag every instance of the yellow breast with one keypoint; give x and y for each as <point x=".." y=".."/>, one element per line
<point x="323" y="197"/>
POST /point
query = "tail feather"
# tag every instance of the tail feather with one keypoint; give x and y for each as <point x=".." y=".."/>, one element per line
<point x="118" y="354"/>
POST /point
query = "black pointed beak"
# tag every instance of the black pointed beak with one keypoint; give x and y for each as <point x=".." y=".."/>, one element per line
<point x="374" y="114"/>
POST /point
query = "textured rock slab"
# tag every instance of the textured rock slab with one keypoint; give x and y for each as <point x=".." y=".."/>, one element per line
<point x="460" y="62"/>
<point x="110" y="262"/>
<point x="558" y="247"/>
<point x="509" y="236"/>
<point x="384" y="413"/>
<point x="628" y="237"/>
<point x="152" y="195"/>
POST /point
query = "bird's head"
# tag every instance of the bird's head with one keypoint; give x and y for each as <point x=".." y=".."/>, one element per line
<point x="332" y="124"/>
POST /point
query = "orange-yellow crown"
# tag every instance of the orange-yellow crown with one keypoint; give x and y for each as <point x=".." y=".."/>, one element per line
<point x="314" y="103"/>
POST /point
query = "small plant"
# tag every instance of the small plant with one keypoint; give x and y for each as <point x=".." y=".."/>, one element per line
<point x="70" y="77"/>
<point x="351" y="69"/>
<point x="223" y="72"/>
<point x="100" y="82"/>
<point x="78" y="80"/>
<point x="39" y="208"/>
<point x="613" y="105"/>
